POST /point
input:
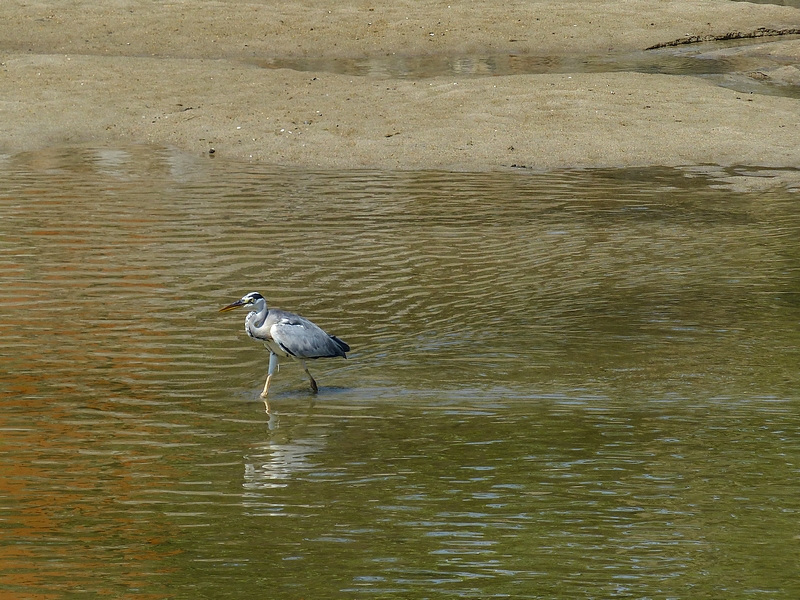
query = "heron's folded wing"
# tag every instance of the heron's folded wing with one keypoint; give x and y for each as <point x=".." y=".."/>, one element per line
<point x="299" y="337"/>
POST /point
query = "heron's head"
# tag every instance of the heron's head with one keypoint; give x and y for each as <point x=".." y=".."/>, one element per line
<point x="253" y="299"/>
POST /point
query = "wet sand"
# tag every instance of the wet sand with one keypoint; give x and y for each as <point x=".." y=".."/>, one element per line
<point x="191" y="75"/>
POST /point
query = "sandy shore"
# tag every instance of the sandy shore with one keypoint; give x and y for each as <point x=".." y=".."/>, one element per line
<point x="192" y="75"/>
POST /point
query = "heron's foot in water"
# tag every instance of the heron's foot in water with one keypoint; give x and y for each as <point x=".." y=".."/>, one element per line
<point x="266" y="387"/>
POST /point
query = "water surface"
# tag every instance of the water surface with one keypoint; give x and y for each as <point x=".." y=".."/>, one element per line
<point x="727" y="63"/>
<point x="569" y="384"/>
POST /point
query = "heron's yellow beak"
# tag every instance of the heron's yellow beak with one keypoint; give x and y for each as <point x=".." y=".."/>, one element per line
<point x="236" y="304"/>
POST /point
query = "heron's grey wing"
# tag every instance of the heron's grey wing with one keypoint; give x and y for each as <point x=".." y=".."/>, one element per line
<point x="301" y="338"/>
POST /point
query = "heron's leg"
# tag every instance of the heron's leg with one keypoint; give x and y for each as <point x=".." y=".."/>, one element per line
<point x="273" y="366"/>
<point x="313" y="383"/>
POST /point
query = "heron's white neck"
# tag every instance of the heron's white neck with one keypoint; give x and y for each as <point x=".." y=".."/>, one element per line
<point x="257" y="317"/>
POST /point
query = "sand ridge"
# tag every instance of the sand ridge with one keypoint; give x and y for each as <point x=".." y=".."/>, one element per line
<point x="187" y="74"/>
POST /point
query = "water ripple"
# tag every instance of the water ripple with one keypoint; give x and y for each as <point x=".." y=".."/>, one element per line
<point x="555" y="380"/>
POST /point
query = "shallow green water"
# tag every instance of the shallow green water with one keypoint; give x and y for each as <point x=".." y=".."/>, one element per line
<point x="725" y="63"/>
<point x="577" y="384"/>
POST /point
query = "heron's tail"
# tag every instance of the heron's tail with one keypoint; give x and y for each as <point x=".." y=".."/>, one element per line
<point x="342" y="345"/>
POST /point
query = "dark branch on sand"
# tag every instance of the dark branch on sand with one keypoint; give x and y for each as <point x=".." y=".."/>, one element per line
<point x="732" y="35"/>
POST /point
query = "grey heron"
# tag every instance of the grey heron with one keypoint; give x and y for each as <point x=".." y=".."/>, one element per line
<point x="286" y="334"/>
